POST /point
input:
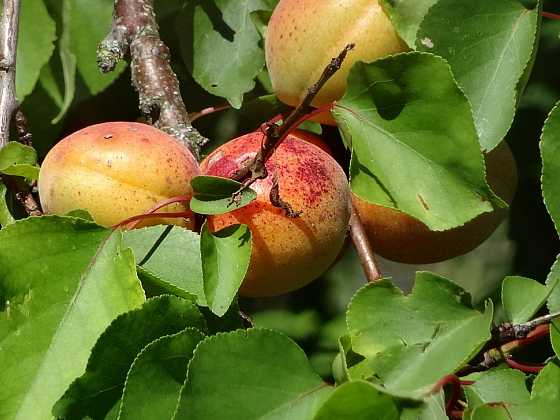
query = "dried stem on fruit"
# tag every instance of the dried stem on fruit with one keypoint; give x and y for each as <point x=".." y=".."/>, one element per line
<point x="135" y="33"/>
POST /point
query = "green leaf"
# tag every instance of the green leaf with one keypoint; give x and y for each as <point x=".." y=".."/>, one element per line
<point x="225" y="259"/>
<point x="358" y="400"/>
<point x="553" y="304"/>
<point x="169" y="257"/>
<point x="19" y="160"/>
<point x="6" y="217"/>
<point x="407" y="15"/>
<point x="411" y="129"/>
<point x="550" y="150"/>
<point x="252" y="374"/>
<point x="89" y="21"/>
<point x="497" y="385"/>
<point x="49" y="82"/>
<point x="523" y="297"/>
<point x="154" y="381"/>
<point x="491" y="412"/>
<point x="68" y="61"/>
<point x="433" y="408"/>
<point x="62" y="281"/>
<point x="213" y="195"/>
<point x="223" y="51"/>
<point x="406" y="339"/>
<point x="296" y="325"/>
<point x="37" y="34"/>
<point x="100" y="387"/>
<point x="488" y="45"/>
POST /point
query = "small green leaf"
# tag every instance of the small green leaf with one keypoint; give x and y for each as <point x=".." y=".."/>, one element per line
<point x="37" y="34"/>
<point x="489" y="45"/>
<point x="553" y="304"/>
<point x="223" y="50"/>
<point x="406" y="339"/>
<point x="432" y="408"/>
<point x="296" y="325"/>
<point x="550" y="150"/>
<point x="89" y="22"/>
<point x="225" y="259"/>
<point x="407" y="15"/>
<point x="62" y="281"/>
<point x="358" y="400"/>
<point x="80" y="214"/>
<point x="523" y="297"/>
<point x="19" y="160"/>
<point x="413" y="140"/>
<point x="491" y="412"/>
<point x="251" y="374"/>
<point x="497" y="385"/>
<point x="214" y="195"/>
<point x="95" y="392"/>
<point x="154" y="381"/>
<point x="169" y="258"/>
<point x="6" y="217"/>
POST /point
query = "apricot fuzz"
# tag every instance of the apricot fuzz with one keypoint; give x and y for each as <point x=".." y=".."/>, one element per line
<point x="117" y="170"/>
<point x="288" y="253"/>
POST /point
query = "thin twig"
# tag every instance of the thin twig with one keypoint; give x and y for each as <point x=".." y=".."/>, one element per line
<point x="8" y="50"/>
<point x="550" y="15"/>
<point x="363" y="246"/>
<point x="207" y="111"/>
<point x="135" y="33"/>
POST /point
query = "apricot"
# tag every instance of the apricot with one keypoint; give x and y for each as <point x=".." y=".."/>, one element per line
<point x="304" y="35"/>
<point x="116" y="170"/>
<point x="402" y="238"/>
<point x="288" y="253"/>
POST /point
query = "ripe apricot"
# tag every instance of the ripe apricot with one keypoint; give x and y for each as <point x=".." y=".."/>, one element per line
<point x="116" y="170"/>
<point x="304" y="35"/>
<point x="288" y="253"/>
<point x="402" y="238"/>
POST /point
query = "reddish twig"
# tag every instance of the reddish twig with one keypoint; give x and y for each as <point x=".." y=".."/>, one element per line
<point x="539" y="332"/>
<point x="135" y="31"/>
<point x="550" y="15"/>
<point x="208" y="111"/>
<point x="363" y="246"/>
<point x="456" y="384"/>
<point x="148" y="214"/>
<point x="166" y="215"/>
<point x="522" y="367"/>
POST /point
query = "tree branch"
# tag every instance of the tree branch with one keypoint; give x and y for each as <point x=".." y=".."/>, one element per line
<point x="135" y="33"/>
<point x="363" y="246"/>
<point x="8" y="50"/>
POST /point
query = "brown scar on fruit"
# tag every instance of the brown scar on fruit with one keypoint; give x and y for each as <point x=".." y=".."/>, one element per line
<point x="423" y="202"/>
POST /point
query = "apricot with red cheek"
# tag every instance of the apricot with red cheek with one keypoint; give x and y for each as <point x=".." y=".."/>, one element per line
<point x="402" y="238"/>
<point x="116" y="170"/>
<point x="288" y="253"/>
<point x="304" y="35"/>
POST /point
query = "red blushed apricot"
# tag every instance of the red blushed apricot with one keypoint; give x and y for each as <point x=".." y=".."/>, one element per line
<point x="304" y="35"/>
<point x="402" y="238"/>
<point x="116" y="170"/>
<point x="288" y="253"/>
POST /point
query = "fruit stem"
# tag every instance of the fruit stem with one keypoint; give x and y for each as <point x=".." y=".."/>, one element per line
<point x="275" y="134"/>
<point x="135" y="31"/>
<point x="166" y="215"/>
<point x="363" y="246"/>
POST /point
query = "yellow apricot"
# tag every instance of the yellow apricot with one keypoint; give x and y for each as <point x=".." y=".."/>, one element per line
<point x="116" y="170"/>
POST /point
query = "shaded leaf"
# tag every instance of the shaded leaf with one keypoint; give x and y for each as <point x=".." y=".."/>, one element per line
<point x="62" y="281"/>
<point x="154" y="381"/>
<point x="214" y="195"/>
<point x="169" y="258"/>
<point x="252" y="374"/>
<point x="225" y="259"/>
<point x="550" y="150"/>
<point x="433" y="408"/>
<point x="407" y="15"/>
<point x="553" y="305"/>
<point x="358" y="400"/>
<point x="89" y="21"/>
<point x="223" y="51"/>
<point x="6" y="217"/>
<point x="37" y="34"/>
<point x="19" y="160"/>
<point x="298" y="326"/>
<point x="413" y="140"/>
<point x="488" y="45"/>
<point x="95" y="392"/>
